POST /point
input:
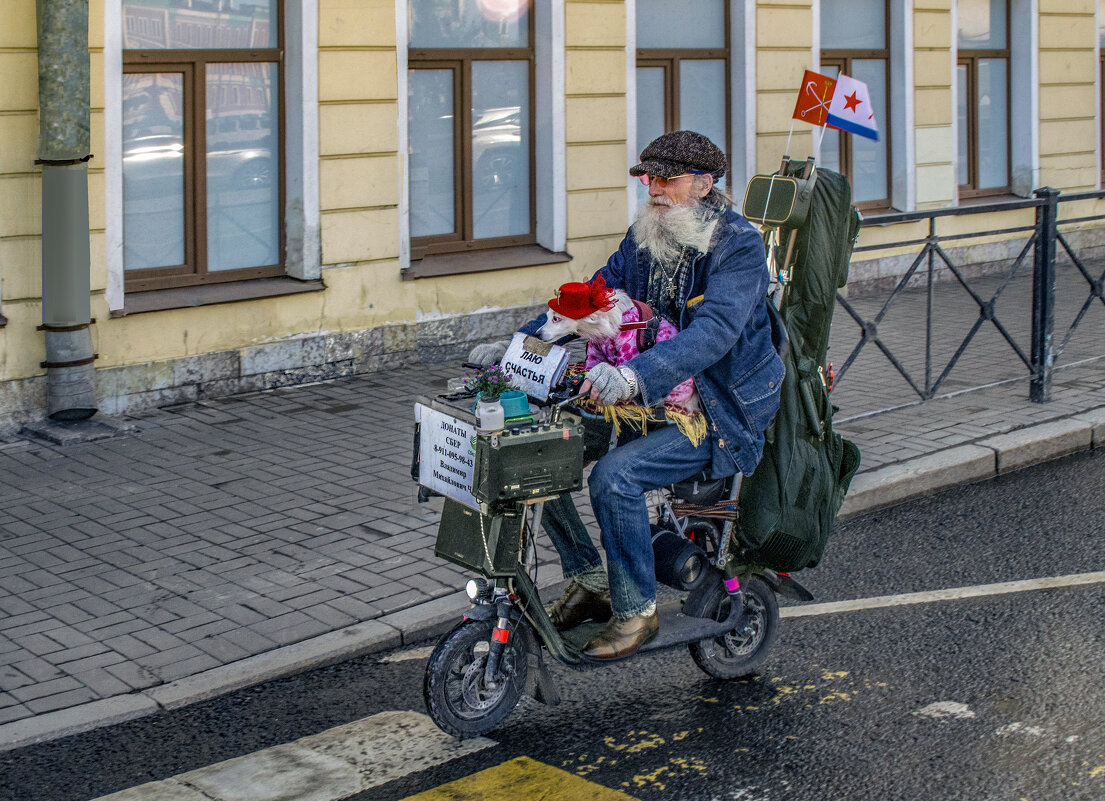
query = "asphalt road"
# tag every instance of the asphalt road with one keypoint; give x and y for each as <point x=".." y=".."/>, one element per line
<point x="996" y="697"/>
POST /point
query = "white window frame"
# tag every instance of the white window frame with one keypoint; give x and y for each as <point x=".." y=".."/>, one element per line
<point x="742" y="65"/>
<point x="1098" y="155"/>
<point x="631" y="154"/>
<point x="301" y="206"/>
<point x="903" y="153"/>
<point x="1024" y="96"/>
<point x="742" y="108"/>
<point x="549" y="136"/>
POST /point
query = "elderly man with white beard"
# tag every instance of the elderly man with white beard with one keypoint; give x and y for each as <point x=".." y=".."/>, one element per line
<point x="701" y="266"/>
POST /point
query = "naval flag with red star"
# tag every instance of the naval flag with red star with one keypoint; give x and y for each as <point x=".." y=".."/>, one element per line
<point x="850" y="109"/>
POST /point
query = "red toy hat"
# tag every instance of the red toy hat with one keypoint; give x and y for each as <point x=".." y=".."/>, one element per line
<point x="576" y="300"/>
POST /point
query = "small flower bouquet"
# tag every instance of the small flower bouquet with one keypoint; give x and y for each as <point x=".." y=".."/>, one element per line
<point x="489" y="380"/>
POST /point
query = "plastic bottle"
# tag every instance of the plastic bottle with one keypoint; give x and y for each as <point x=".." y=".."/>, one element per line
<point x="489" y="415"/>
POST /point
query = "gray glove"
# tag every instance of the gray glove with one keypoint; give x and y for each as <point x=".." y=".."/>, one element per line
<point x="489" y="352"/>
<point x="610" y="384"/>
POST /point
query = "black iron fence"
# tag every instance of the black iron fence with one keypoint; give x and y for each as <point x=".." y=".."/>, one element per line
<point x="1039" y="249"/>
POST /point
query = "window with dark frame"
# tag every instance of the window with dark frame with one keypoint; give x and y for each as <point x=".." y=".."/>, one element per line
<point x="683" y="69"/>
<point x="1101" y="88"/>
<point x="203" y="142"/>
<point x="471" y="123"/>
<point x="982" y="78"/>
<point x="855" y="42"/>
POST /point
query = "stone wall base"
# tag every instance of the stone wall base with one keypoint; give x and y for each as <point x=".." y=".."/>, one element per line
<point x="135" y="388"/>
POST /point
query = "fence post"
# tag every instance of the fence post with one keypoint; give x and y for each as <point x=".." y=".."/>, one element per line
<point x="1043" y="294"/>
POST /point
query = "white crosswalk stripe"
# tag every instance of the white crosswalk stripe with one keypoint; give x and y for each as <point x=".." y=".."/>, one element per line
<point x="409" y="654"/>
<point x="334" y="764"/>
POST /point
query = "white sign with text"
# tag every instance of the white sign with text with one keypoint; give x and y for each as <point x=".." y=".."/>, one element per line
<point x="534" y="366"/>
<point x="446" y="455"/>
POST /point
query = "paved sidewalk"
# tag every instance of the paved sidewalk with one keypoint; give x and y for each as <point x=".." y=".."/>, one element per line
<point x="213" y="545"/>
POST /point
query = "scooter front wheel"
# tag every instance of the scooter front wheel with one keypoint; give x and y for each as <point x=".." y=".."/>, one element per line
<point x="739" y="652"/>
<point x="459" y="697"/>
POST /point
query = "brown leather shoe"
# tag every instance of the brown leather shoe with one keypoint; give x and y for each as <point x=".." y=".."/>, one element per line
<point x="578" y="605"/>
<point x="621" y="637"/>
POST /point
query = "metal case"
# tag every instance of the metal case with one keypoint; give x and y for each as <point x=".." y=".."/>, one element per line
<point x="778" y="200"/>
<point x="531" y="462"/>
<point x="487" y="544"/>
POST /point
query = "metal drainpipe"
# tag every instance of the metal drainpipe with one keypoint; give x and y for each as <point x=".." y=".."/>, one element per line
<point x="63" y="145"/>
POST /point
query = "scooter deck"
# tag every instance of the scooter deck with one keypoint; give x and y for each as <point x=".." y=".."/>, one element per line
<point x="676" y="629"/>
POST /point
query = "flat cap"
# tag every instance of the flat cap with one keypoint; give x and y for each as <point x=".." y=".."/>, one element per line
<point x="679" y="152"/>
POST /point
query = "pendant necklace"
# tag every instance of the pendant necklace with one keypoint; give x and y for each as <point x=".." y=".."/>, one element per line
<point x="670" y="278"/>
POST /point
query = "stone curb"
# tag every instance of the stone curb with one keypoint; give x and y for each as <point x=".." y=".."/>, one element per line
<point x="895" y="483"/>
<point x="965" y="464"/>
<point x="347" y="643"/>
<point x="879" y="488"/>
<point x="419" y="622"/>
<point x="75" y="720"/>
<point x="1039" y="443"/>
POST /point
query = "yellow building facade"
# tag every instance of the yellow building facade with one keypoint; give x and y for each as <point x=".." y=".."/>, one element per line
<point x="373" y="111"/>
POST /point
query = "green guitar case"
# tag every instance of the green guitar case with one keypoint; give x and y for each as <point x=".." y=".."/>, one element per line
<point x="788" y="504"/>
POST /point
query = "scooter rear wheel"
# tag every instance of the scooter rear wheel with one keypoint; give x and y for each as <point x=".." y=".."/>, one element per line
<point x="455" y="687"/>
<point x="739" y="652"/>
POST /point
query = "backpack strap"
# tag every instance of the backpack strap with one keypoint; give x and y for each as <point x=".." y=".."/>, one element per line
<point x="647" y="327"/>
<point x="779" y="337"/>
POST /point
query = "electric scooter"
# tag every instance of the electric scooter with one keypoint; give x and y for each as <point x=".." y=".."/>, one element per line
<point x="728" y="618"/>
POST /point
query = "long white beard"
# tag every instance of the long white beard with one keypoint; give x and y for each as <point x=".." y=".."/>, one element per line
<point x="664" y="230"/>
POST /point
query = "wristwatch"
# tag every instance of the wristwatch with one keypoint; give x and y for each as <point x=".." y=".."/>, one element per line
<point x="631" y="379"/>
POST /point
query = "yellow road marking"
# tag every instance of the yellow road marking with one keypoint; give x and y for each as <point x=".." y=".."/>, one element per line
<point x="521" y="778"/>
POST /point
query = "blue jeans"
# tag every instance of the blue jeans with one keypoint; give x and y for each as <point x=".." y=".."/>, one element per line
<point x="618" y="485"/>
<point x="569" y="536"/>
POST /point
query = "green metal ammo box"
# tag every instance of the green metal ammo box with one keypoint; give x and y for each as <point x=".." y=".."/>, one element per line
<point x="461" y="539"/>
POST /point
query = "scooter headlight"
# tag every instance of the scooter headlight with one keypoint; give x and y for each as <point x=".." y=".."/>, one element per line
<point x="476" y="589"/>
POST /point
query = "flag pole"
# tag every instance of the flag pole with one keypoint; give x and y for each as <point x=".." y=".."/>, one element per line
<point x="782" y="166"/>
<point x="790" y="133"/>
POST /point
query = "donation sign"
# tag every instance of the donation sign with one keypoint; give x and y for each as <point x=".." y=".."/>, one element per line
<point x="446" y="456"/>
<point x="534" y="366"/>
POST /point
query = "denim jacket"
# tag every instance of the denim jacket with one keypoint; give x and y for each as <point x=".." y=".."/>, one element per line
<point x="724" y="342"/>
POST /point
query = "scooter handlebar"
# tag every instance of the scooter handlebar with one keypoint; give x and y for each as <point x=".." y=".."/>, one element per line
<point x="567" y="391"/>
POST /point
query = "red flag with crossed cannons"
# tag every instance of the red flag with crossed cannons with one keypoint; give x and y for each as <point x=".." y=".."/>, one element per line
<point x="814" y="98"/>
